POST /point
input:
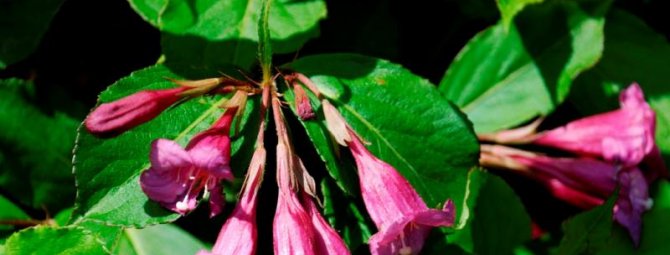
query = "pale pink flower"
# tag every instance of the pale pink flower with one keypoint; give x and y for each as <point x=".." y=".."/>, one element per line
<point x="113" y="118"/>
<point x="177" y="176"/>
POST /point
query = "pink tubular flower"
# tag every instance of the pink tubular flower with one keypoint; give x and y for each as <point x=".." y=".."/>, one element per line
<point x="583" y="182"/>
<point x="624" y="136"/>
<point x="177" y="176"/>
<point x="297" y="230"/>
<point x="238" y="235"/>
<point x="401" y="216"/>
<point x="113" y="118"/>
<point x="327" y="241"/>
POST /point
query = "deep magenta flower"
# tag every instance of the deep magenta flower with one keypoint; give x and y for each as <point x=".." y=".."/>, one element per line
<point x="113" y="118"/>
<point x="177" y="176"/>
<point x="583" y="182"/>
<point x="238" y="236"/>
<point x="402" y="217"/>
<point x="624" y="136"/>
<point x="297" y="230"/>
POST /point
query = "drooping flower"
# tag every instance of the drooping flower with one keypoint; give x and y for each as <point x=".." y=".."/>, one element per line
<point x="400" y="214"/>
<point x="238" y="236"/>
<point x="297" y="230"/>
<point x="583" y="182"/>
<point x="624" y="136"/>
<point x="113" y="118"/>
<point x="327" y="241"/>
<point x="293" y="232"/>
<point x="177" y="176"/>
<point x="402" y="217"/>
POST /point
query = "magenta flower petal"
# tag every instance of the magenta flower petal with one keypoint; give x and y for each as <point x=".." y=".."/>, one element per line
<point x="238" y="236"/>
<point x="407" y="234"/>
<point x="623" y="136"/>
<point x="293" y="232"/>
<point x="177" y="176"/>
<point x="632" y="202"/>
<point x="167" y="180"/>
<point x="584" y="174"/>
<point x="113" y="118"/>
<point x="214" y="160"/>
<point x="572" y="196"/>
<point x="327" y="242"/>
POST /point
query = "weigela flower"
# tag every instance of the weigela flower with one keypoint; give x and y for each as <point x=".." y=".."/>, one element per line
<point x="402" y="217"/>
<point x="624" y="136"/>
<point x="238" y="236"/>
<point x="177" y="176"/>
<point x="583" y="182"/>
<point x="298" y="230"/>
<point x="113" y="118"/>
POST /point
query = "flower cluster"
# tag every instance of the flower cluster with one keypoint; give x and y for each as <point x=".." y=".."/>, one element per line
<point x="178" y="176"/>
<point x="612" y="149"/>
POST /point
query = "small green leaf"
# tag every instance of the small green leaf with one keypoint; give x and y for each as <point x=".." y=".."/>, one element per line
<point x="214" y="32"/>
<point x="509" y="9"/>
<point x="9" y="211"/>
<point x="503" y="78"/>
<point x="633" y="53"/>
<point x="108" y="170"/>
<point x="346" y="216"/>
<point x="35" y="162"/>
<point x="164" y="239"/>
<point x="588" y="232"/>
<point x="403" y="117"/>
<point x="43" y="240"/>
<point x="22" y="24"/>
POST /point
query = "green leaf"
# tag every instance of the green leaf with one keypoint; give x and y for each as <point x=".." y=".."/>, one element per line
<point x="503" y="78"/>
<point x="500" y="223"/>
<point x="264" y="44"/>
<point x="109" y="236"/>
<point x="164" y="239"/>
<point x="406" y="121"/>
<point x="35" y="162"/>
<point x="496" y="221"/>
<point x="22" y="24"/>
<point x="588" y="232"/>
<point x="53" y="240"/>
<point x="9" y="211"/>
<point x="108" y="170"/>
<point x="655" y="228"/>
<point x="346" y="216"/>
<point x="63" y="217"/>
<point x="212" y="32"/>
<point x="509" y="9"/>
<point x="633" y="53"/>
